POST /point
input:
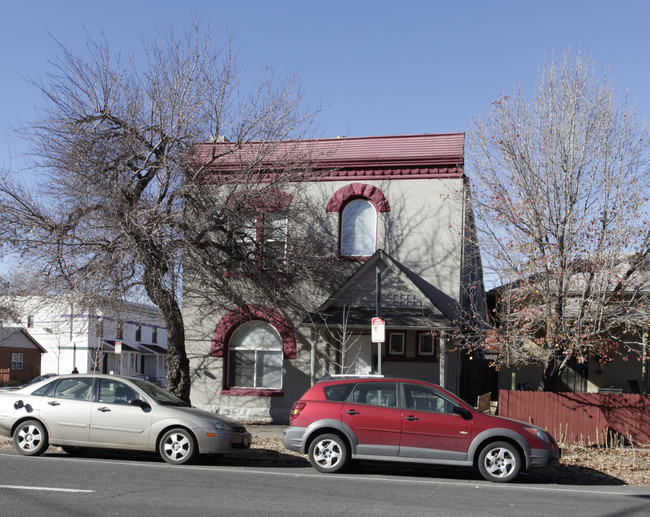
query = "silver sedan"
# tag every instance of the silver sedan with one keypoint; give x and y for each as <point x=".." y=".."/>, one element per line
<point x="78" y="412"/>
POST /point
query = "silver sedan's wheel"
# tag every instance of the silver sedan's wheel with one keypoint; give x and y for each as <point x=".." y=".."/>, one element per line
<point x="30" y="438"/>
<point x="499" y="462"/>
<point x="177" y="446"/>
<point x="328" y="453"/>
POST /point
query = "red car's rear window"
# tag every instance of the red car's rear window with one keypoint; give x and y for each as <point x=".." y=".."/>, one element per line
<point x="338" y="392"/>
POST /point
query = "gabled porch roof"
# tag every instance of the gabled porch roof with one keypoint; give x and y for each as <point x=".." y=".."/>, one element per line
<point x="404" y="303"/>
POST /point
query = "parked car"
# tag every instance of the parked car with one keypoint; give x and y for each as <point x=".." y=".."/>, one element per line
<point x="35" y="379"/>
<point x="413" y="421"/>
<point x="149" y="378"/>
<point x="82" y="411"/>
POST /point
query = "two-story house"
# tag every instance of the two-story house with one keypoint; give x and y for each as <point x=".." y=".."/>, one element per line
<point x="397" y="215"/>
<point x="131" y="340"/>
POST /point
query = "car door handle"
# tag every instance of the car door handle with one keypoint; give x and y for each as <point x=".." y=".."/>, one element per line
<point x="352" y="412"/>
<point x="54" y="403"/>
<point x="411" y="418"/>
<point x="103" y="409"/>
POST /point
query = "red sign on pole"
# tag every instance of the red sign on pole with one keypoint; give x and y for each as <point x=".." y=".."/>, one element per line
<point x="378" y="330"/>
<point x="118" y="347"/>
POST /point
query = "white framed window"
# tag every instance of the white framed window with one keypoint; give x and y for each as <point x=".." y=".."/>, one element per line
<point x="255" y="357"/>
<point x="428" y="344"/>
<point x="154" y="335"/>
<point x="262" y="238"/>
<point x="244" y="243"/>
<point x="358" y="229"/>
<point x="138" y="333"/>
<point x="17" y="360"/>
<point x="30" y="322"/>
<point x="274" y="246"/>
<point x="99" y="329"/>
<point x="396" y="343"/>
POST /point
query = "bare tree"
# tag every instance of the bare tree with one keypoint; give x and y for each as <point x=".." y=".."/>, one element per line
<point x="562" y="182"/>
<point x="114" y="146"/>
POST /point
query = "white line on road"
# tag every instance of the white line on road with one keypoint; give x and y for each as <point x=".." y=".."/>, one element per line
<point x="46" y="489"/>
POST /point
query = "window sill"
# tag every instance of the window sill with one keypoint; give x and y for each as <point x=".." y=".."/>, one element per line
<point x="252" y="392"/>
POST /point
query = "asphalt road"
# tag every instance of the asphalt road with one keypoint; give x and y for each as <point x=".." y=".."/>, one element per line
<point x="56" y="484"/>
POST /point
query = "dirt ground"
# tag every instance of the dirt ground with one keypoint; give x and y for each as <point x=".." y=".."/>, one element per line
<point x="580" y="465"/>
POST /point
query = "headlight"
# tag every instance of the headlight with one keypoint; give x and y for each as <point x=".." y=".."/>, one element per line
<point x="220" y="425"/>
<point x="539" y="433"/>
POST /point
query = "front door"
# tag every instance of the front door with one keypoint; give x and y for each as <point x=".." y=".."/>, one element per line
<point x="430" y="427"/>
<point x="374" y="417"/>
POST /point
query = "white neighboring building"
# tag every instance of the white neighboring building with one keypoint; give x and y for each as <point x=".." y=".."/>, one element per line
<point x="131" y="342"/>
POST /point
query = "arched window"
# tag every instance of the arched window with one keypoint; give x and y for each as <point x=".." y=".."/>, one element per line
<point x="358" y="229"/>
<point x="358" y="205"/>
<point x="255" y="354"/>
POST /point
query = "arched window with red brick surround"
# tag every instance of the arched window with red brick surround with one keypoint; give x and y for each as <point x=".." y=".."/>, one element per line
<point x="358" y="205"/>
<point x="253" y="342"/>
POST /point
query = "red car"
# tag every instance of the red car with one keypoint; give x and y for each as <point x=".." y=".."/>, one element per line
<point x="411" y="421"/>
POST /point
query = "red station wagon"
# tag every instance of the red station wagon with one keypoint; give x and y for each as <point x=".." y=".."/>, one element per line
<point x="411" y="421"/>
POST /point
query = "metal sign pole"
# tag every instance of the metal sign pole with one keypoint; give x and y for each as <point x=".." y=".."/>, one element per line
<point x="378" y="302"/>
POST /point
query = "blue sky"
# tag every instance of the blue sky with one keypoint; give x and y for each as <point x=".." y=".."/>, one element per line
<point x="378" y="67"/>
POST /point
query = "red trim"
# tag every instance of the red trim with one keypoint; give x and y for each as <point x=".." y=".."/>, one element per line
<point x="355" y="191"/>
<point x="235" y="318"/>
<point x="251" y="392"/>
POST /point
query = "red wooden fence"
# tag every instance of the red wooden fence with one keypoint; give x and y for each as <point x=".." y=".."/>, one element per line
<point x="581" y="417"/>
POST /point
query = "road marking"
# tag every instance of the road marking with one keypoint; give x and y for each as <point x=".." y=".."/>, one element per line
<point x="47" y="489"/>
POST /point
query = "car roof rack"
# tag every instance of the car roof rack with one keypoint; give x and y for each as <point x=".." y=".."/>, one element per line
<point x="336" y="376"/>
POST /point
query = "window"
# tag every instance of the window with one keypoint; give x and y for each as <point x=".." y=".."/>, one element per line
<point x="358" y="229"/>
<point x="100" y="328"/>
<point x="338" y="392"/>
<point x="119" y="332"/>
<point x="262" y="238"/>
<point x="274" y="248"/>
<point x="255" y="356"/>
<point x="79" y="388"/>
<point x="428" y="344"/>
<point x="376" y="394"/>
<point x="425" y="398"/>
<point x="154" y="335"/>
<point x="115" y="392"/>
<point x="396" y="343"/>
<point x="138" y="333"/>
<point x="30" y="322"/>
<point x="16" y="360"/>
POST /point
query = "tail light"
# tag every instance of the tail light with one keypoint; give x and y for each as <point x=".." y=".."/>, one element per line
<point x="296" y="410"/>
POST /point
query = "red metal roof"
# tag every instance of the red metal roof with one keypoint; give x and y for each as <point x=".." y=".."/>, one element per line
<point x="405" y="155"/>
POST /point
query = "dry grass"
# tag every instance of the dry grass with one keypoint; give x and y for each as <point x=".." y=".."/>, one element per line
<point x="628" y="465"/>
